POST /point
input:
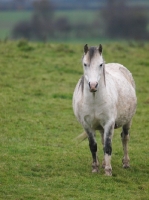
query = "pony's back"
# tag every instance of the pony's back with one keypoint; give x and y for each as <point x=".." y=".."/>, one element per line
<point x="116" y="69"/>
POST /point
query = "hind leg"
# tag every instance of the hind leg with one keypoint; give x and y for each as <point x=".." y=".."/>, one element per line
<point x="125" y="139"/>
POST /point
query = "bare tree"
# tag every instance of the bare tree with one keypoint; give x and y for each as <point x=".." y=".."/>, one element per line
<point x="43" y="9"/>
<point x="42" y="19"/>
<point x="40" y="26"/>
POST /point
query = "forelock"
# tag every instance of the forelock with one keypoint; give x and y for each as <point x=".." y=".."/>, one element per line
<point x="92" y="51"/>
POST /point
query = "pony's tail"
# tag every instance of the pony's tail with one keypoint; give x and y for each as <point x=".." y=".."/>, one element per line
<point x="81" y="137"/>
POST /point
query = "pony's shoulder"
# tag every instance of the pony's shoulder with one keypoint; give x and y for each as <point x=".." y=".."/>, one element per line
<point x="118" y="69"/>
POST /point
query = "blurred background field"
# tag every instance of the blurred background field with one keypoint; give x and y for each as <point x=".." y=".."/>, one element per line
<point x="8" y="19"/>
<point x="72" y="21"/>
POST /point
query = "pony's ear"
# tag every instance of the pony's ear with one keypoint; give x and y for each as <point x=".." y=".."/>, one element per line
<point x="85" y="48"/>
<point x="100" y="48"/>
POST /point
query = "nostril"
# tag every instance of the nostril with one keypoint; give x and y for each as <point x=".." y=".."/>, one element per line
<point x="89" y="84"/>
<point x="96" y="85"/>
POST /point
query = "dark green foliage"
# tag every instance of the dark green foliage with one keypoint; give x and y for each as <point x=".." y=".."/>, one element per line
<point x="123" y="21"/>
<point x="24" y="45"/>
<point x="72" y="25"/>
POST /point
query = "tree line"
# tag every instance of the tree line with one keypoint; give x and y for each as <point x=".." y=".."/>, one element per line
<point x="115" y="20"/>
<point x="60" y="4"/>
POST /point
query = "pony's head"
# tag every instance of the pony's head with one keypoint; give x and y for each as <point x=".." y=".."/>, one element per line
<point x="93" y="65"/>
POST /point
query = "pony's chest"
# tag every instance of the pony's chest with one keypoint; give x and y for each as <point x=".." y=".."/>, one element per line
<point x="94" y="116"/>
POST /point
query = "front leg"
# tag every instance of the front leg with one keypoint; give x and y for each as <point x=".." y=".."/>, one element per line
<point x="93" y="149"/>
<point x="102" y="141"/>
<point x="108" y="134"/>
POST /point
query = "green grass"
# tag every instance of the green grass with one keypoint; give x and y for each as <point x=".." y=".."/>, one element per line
<point x="39" y="158"/>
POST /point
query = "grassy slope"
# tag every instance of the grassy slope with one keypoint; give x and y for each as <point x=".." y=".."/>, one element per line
<point x="38" y="157"/>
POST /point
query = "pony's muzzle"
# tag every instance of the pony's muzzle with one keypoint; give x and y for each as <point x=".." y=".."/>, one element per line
<point x="93" y="86"/>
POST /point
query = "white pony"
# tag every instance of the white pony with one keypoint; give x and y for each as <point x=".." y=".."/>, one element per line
<point x="104" y="99"/>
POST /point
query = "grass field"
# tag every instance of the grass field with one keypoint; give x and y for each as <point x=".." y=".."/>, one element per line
<point x="39" y="158"/>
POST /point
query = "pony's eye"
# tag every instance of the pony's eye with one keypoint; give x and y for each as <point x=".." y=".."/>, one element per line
<point x="85" y="65"/>
<point x="100" y="65"/>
